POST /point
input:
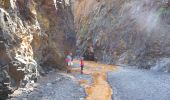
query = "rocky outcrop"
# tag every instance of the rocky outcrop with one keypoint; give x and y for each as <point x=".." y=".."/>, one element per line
<point x="56" y="21"/>
<point x="133" y="32"/>
<point x="33" y="35"/>
<point x="17" y="31"/>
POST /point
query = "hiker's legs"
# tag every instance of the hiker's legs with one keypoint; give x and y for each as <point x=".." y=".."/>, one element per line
<point x="81" y="69"/>
<point x="69" y="67"/>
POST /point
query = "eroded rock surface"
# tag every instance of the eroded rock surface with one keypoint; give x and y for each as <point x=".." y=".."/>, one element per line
<point x="133" y="32"/>
<point x="33" y="34"/>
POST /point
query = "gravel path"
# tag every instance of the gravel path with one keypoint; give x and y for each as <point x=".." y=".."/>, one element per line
<point x="127" y="84"/>
<point x="56" y="86"/>
<point x="133" y="84"/>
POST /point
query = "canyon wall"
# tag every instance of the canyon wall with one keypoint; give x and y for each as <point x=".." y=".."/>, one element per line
<point x="34" y="34"/>
<point x="125" y="32"/>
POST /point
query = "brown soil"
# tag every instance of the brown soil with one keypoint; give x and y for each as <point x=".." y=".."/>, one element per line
<point x="99" y="89"/>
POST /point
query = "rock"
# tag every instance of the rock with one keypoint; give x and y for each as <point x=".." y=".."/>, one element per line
<point x="82" y="98"/>
<point x="49" y="84"/>
<point x="24" y="98"/>
<point x="123" y="32"/>
<point x="33" y="34"/>
<point x="162" y="65"/>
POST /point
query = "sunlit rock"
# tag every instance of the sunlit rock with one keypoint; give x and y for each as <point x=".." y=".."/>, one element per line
<point x="33" y="34"/>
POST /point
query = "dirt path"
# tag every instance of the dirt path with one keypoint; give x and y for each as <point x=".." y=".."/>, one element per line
<point x="99" y="89"/>
<point x="92" y="85"/>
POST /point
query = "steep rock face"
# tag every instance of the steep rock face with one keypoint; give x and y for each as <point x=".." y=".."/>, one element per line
<point x="16" y="31"/>
<point x="56" y="22"/>
<point x="133" y="32"/>
<point x="33" y="34"/>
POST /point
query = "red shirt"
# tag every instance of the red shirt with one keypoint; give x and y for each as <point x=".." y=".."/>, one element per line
<point x="81" y="62"/>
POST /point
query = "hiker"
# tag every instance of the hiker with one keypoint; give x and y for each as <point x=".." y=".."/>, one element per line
<point x="82" y="64"/>
<point x="68" y="60"/>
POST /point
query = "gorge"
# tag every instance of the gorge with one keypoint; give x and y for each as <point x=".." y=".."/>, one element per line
<point x="35" y="34"/>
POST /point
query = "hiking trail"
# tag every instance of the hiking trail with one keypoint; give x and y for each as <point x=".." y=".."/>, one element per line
<point x="98" y="89"/>
<point x="57" y="85"/>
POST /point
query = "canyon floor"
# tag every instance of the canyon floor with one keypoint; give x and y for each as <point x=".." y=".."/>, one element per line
<point x="135" y="84"/>
<point x="99" y="82"/>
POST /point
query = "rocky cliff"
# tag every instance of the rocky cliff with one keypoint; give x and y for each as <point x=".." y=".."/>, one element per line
<point x="33" y="36"/>
<point x="130" y="32"/>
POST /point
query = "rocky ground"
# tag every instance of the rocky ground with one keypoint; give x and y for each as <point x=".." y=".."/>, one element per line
<point x="55" y="86"/>
<point x="134" y="84"/>
<point x="92" y="85"/>
<point x="96" y="84"/>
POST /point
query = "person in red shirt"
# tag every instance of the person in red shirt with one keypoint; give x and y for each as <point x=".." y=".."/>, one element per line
<point x="81" y="64"/>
